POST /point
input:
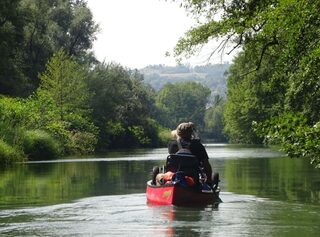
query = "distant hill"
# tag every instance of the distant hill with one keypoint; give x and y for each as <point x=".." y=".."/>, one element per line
<point x="211" y="75"/>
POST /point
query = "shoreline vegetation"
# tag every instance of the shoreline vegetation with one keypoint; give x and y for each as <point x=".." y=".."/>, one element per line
<point x="57" y="99"/>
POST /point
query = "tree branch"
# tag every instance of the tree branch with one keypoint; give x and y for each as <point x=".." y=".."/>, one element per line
<point x="221" y="46"/>
<point x="237" y="45"/>
<point x="264" y="49"/>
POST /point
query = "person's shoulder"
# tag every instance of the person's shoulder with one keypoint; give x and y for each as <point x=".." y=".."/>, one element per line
<point x="196" y="143"/>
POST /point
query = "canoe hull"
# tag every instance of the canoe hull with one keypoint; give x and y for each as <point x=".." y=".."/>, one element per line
<point x="174" y="194"/>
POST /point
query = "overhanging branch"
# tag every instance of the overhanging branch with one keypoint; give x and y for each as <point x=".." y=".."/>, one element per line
<point x="264" y="49"/>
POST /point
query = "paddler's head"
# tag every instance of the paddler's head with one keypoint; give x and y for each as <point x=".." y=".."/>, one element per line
<point x="184" y="130"/>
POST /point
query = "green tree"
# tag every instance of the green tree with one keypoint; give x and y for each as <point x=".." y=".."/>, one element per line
<point x="123" y="107"/>
<point x="12" y="78"/>
<point x="62" y="101"/>
<point x="31" y="31"/>
<point x="251" y="97"/>
<point x="276" y="74"/>
<point x="213" y="120"/>
<point x="64" y="82"/>
<point x="183" y="102"/>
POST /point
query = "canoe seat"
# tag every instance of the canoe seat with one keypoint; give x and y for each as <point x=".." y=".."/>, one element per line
<point x="187" y="163"/>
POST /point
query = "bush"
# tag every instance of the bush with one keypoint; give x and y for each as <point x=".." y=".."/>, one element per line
<point x="296" y="137"/>
<point x="39" y="145"/>
<point x="164" y="136"/>
<point x="8" y="154"/>
<point x="81" y="143"/>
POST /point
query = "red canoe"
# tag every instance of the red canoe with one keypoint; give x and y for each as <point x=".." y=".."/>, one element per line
<point x="174" y="194"/>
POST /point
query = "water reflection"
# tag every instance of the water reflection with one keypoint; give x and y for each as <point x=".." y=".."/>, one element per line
<point x="266" y="175"/>
<point x="281" y="178"/>
<point x="183" y="221"/>
<point x="51" y="183"/>
<point x="105" y="196"/>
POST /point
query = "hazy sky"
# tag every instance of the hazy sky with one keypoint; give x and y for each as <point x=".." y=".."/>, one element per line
<point x="137" y="33"/>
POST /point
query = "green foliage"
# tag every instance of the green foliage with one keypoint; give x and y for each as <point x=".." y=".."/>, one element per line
<point x="10" y="116"/>
<point x="182" y="102"/>
<point x="64" y="83"/>
<point x="81" y="142"/>
<point x="139" y="134"/>
<point x="39" y="145"/>
<point x="213" y="119"/>
<point x="9" y="154"/>
<point x="276" y="74"/>
<point x="66" y="93"/>
<point x="164" y="136"/>
<point x="304" y="91"/>
<point x="59" y="130"/>
<point x="62" y="100"/>
<point x="250" y="97"/>
<point x="76" y="134"/>
<point x="54" y="25"/>
<point x="12" y="80"/>
<point x="31" y="31"/>
<point x="60" y="107"/>
<point x="296" y="137"/>
<point x="122" y="106"/>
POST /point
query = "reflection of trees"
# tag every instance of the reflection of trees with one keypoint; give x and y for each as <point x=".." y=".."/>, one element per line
<point x="52" y="183"/>
<point x="58" y="182"/>
<point x="281" y="178"/>
<point x="119" y="177"/>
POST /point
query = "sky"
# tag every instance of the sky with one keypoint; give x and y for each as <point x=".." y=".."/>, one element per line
<point x="137" y="33"/>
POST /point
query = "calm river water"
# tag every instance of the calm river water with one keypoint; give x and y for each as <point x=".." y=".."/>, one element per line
<point x="263" y="194"/>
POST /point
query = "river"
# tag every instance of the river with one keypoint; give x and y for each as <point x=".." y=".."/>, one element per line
<point x="263" y="194"/>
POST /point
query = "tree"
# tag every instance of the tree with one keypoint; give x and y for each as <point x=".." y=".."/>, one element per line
<point x="64" y="83"/>
<point x="62" y="100"/>
<point x="31" y="31"/>
<point x="275" y="76"/>
<point x="12" y="79"/>
<point x="239" y="23"/>
<point x="123" y="107"/>
<point x="182" y="102"/>
<point x="213" y="120"/>
<point x="251" y="97"/>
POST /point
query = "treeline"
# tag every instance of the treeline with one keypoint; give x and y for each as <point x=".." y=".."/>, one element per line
<point x="273" y="85"/>
<point x="78" y="110"/>
<point x="56" y="99"/>
<point x="40" y="112"/>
